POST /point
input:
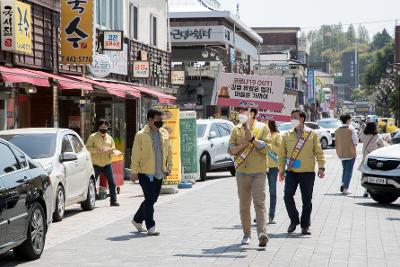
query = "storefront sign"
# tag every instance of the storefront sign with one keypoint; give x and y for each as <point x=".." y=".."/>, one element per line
<point x="141" y="69"/>
<point x="119" y="60"/>
<point x="101" y="66"/>
<point x="178" y="77"/>
<point x="171" y="124"/>
<point x="284" y="115"/>
<point x="113" y="40"/>
<point x="249" y="91"/>
<point x="189" y="159"/>
<point x="16" y="27"/>
<point x="201" y="34"/>
<point x="77" y="32"/>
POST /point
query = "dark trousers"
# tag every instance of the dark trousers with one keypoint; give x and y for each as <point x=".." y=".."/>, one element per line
<point x="108" y="173"/>
<point x="306" y="181"/>
<point x="151" y="192"/>
<point x="272" y="178"/>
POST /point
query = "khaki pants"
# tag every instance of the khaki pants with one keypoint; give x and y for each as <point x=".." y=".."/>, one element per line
<point x="252" y="186"/>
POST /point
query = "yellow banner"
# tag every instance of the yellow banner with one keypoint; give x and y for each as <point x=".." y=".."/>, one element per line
<point x="171" y="124"/>
<point x="77" y="32"/>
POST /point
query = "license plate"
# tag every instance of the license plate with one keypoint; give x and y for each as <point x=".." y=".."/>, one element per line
<point x="375" y="180"/>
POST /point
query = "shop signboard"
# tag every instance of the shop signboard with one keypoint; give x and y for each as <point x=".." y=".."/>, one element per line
<point x="119" y="60"/>
<point x="178" y="77"/>
<point x="76" y="32"/>
<point x="249" y="91"/>
<point x="171" y="124"/>
<point x="16" y="27"/>
<point x="201" y="34"/>
<point x="141" y="69"/>
<point x="101" y="66"/>
<point x="189" y="160"/>
<point x="113" y="40"/>
<point x="284" y="115"/>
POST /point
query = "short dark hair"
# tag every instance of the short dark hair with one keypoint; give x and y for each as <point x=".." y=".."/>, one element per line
<point x="272" y="127"/>
<point x="302" y="114"/>
<point x="371" y="128"/>
<point x="254" y="110"/>
<point x="101" y="122"/>
<point x="345" y="117"/>
<point x="153" y="113"/>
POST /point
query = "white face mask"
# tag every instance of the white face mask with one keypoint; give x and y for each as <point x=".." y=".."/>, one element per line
<point x="295" y="123"/>
<point x="243" y="118"/>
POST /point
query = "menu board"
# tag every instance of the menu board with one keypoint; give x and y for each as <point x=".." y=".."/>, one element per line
<point x="189" y="158"/>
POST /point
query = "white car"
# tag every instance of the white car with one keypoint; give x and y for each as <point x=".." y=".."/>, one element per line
<point x="381" y="174"/>
<point x="324" y="136"/>
<point x="330" y="125"/>
<point x="212" y="146"/>
<point x="64" y="156"/>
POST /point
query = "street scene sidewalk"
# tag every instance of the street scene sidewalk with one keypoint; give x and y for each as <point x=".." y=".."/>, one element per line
<point x="201" y="227"/>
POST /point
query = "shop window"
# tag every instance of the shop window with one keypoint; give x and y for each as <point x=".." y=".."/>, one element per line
<point x="133" y="20"/>
<point x="109" y="14"/>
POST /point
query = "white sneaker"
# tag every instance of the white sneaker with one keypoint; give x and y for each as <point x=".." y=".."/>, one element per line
<point x="153" y="231"/>
<point x="138" y="226"/>
<point x="346" y="192"/>
<point x="246" y="240"/>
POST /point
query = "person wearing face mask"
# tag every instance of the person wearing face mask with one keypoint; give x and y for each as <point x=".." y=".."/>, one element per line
<point x="298" y="153"/>
<point x="249" y="143"/>
<point x="151" y="162"/>
<point x="101" y="147"/>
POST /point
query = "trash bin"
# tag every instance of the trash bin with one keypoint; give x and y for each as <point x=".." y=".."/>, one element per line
<point x="118" y="170"/>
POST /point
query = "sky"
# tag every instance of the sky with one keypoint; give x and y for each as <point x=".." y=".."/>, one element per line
<point x="310" y="14"/>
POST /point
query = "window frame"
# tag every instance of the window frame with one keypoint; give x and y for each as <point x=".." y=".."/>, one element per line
<point x="105" y="14"/>
<point x="133" y="20"/>
<point x="16" y="160"/>
<point x="153" y="32"/>
<point x="62" y="141"/>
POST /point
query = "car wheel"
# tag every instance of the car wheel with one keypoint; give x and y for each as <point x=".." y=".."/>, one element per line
<point x="203" y="168"/>
<point x="384" y="199"/>
<point x="324" y="143"/>
<point x="33" y="246"/>
<point x="232" y="171"/>
<point x="90" y="201"/>
<point x="60" y="205"/>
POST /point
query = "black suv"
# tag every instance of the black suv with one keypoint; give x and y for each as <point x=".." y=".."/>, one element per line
<point x="24" y="203"/>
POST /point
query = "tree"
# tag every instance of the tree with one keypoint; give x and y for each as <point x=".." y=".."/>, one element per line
<point x="351" y="35"/>
<point x="380" y="40"/>
<point x="377" y="68"/>
<point x="363" y="34"/>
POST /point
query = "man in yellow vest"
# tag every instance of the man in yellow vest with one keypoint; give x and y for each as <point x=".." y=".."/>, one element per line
<point x="250" y="142"/>
<point x="300" y="149"/>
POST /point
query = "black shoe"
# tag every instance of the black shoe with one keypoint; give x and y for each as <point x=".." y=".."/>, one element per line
<point x="292" y="227"/>
<point x="305" y="231"/>
<point x="341" y="189"/>
<point x="114" y="204"/>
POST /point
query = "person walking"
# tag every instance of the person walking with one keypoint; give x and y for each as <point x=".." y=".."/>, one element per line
<point x="151" y="162"/>
<point x="346" y="142"/>
<point x="249" y="143"/>
<point x="273" y="170"/>
<point x="371" y="141"/>
<point x="101" y="147"/>
<point x="299" y="151"/>
<point x="362" y="128"/>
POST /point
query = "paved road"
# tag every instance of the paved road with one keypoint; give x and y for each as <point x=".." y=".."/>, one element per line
<point x="201" y="227"/>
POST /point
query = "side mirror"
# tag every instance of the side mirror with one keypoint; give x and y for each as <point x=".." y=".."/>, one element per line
<point x="212" y="135"/>
<point x="68" y="156"/>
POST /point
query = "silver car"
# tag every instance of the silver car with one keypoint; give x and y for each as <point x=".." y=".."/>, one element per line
<point x="64" y="156"/>
<point x="212" y="146"/>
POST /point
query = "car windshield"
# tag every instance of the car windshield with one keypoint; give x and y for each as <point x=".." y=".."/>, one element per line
<point x="36" y="146"/>
<point x="285" y="127"/>
<point x="329" y="124"/>
<point x="201" y="130"/>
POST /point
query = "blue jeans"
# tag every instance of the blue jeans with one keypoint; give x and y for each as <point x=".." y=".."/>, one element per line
<point x="306" y="181"/>
<point x="272" y="178"/>
<point x="108" y="173"/>
<point x="347" y="172"/>
<point x="151" y="192"/>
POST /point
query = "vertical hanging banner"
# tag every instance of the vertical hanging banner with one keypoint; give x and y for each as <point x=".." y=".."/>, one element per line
<point x="171" y="124"/>
<point x="310" y="86"/>
<point x="188" y="129"/>
<point x="76" y="32"/>
<point x="16" y="27"/>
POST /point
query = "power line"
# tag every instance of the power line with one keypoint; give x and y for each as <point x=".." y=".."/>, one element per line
<point x="354" y="23"/>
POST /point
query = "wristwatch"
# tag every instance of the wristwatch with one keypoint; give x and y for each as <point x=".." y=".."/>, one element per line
<point x="322" y="169"/>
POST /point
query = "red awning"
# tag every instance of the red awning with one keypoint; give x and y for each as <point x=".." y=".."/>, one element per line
<point x="63" y="82"/>
<point x="16" y="75"/>
<point x="162" y="98"/>
<point x="123" y="87"/>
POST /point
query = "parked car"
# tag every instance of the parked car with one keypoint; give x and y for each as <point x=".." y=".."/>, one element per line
<point x="64" y="156"/>
<point x="25" y="203"/>
<point x="213" y="143"/>
<point x="381" y="174"/>
<point x="395" y="138"/>
<point x="324" y="136"/>
<point x="330" y="125"/>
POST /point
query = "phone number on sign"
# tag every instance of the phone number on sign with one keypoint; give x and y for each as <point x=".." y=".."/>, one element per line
<point x="74" y="59"/>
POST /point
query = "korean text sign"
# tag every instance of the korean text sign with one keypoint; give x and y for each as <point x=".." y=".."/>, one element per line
<point x="16" y="27"/>
<point x="141" y="69"/>
<point x="250" y="91"/>
<point x="284" y="115"/>
<point x="77" y="32"/>
<point x="189" y="160"/>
